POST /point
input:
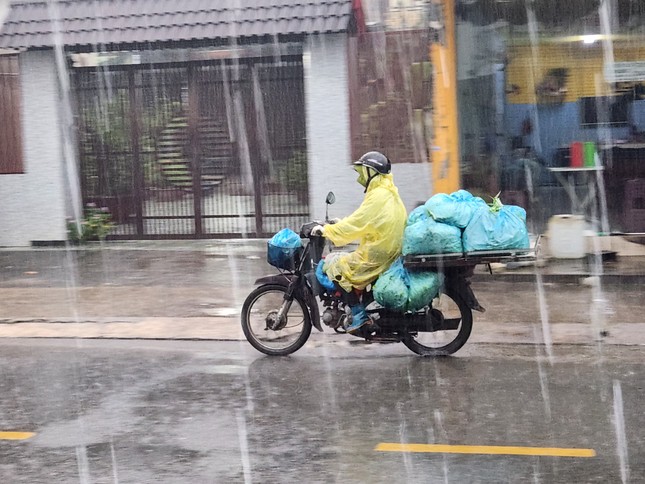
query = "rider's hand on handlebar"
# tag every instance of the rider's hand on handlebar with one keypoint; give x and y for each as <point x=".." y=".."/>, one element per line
<point x="317" y="230"/>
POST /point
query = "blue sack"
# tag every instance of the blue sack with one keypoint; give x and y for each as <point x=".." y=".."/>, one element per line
<point x="519" y="211"/>
<point x="497" y="230"/>
<point x="430" y="237"/>
<point x="391" y="288"/>
<point x="419" y="213"/>
<point x="424" y="287"/>
<point x="455" y="209"/>
<point x="323" y="278"/>
<point x="283" y="249"/>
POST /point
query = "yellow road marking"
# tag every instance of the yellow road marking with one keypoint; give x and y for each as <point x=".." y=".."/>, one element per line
<point x="16" y="435"/>
<point x="485" y="449"/>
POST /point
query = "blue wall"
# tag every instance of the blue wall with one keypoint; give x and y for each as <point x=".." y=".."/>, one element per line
<point x="559" y="125"/>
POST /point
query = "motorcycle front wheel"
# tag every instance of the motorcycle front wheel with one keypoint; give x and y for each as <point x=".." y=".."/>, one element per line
<point x="457" y="320"/>
<point x="263" y="327"/>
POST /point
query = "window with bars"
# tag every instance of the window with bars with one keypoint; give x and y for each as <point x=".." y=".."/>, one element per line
<point x="11" y="159"/>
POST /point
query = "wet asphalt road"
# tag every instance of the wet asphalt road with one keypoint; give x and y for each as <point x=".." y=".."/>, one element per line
<point x="201" y="412"/>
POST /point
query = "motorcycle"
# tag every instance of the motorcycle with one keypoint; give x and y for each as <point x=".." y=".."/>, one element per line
<point x="277" y="317"/>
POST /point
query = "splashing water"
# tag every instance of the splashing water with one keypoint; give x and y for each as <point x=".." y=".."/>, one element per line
<point x="84" y="476"/>
<point x="228" y="102"/>
<point x="334" y="407"/>
<point x="70" y="156"/>
<point x="115" y="472"/>
<point x="261" y="122"/>
<point x="244" y="446"/>
<point x="544" y="317"/>
<point x="533" y="36"/>
<point x="621" y="440"/>
<point x="438" y="420"/>
<point x="544" y="384"/>
<point x="599" y="305"/>
<point x="403" y="433"/>
<point x="536" y="472"/>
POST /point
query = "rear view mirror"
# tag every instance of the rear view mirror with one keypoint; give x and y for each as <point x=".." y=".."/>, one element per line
<point x="331" y="198"/>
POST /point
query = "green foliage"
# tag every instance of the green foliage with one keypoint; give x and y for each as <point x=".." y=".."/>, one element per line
<point x="496" y="205"/>
<point x="294" y="172"/>
<point x="96" y="225"/>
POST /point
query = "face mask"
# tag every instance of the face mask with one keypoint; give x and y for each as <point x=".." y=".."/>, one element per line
<point x="363" y="175"/>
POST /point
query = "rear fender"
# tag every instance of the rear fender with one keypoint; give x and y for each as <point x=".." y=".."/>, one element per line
<point x="285" y="280"/>
<point x="459" y="284"/>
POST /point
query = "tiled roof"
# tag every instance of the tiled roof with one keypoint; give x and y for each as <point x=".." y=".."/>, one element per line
<point x="87" y="22"/>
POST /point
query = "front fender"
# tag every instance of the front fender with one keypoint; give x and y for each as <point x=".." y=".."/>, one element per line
<point x="285" y="280"/>
<point x="281" y="279"/>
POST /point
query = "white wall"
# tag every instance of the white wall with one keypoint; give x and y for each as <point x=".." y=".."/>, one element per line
<point x="328" y="135"/>
<point x="32" y="205"/>
<point x="414" y="181"/>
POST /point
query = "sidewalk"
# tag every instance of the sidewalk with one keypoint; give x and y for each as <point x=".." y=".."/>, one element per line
<point x="195" y="289"/>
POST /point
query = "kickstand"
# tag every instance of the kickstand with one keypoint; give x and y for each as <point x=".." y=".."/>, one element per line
<point x="490" y="269"/>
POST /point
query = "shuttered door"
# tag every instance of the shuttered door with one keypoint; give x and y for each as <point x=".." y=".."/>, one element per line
<point x="11" y="160"/>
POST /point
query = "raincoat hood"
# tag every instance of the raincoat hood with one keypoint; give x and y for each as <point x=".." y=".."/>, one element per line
<point x="378" y="224"/>
<point x="384" y="181"/>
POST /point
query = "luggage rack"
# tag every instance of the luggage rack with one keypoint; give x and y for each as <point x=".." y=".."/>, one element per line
<point x="438" y="261"/>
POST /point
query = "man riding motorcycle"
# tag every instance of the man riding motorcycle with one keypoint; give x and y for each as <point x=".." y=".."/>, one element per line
<point x="378" y="223"/>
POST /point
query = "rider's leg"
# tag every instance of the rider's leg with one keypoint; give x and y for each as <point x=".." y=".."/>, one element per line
<point x="359" y="315"/>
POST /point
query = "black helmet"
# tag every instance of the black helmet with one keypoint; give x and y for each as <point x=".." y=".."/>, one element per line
<point x="375" y="160"/>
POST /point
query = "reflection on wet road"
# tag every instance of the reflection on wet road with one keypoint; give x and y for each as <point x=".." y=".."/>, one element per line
<point x="176" y="412"/>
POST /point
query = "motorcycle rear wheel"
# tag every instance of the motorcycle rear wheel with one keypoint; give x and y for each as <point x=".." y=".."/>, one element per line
<point x="445" y="342"/>
<point x="260" y="325"/>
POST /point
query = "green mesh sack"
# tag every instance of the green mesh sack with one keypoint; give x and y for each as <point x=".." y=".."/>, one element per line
<point x="391" y="288"/>
<point x="424" y="286"/>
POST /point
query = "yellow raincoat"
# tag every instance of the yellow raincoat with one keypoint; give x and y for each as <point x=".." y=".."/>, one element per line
<point x="378" y="223"/>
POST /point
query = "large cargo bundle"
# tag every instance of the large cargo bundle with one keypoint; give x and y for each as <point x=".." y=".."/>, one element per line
<point x="401" y="290"/>
<point x="460" y="222"/>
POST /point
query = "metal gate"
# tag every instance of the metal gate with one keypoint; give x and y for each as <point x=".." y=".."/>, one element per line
<point x="197" y="149"/>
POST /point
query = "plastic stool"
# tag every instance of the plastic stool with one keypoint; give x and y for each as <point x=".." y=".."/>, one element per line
<point x="634" y="208"/>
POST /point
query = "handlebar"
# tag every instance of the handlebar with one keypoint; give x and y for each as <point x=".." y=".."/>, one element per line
<point x="305" y="230"/>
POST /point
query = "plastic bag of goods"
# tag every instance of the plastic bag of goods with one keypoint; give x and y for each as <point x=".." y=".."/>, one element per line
<point x="323" y="278"/>
<point x="430" y="237"/>
<point x="455" y="209"/>
<point x="321" y="270"/>
<point x="401" y="290"/>
<point x="391" y="288"/>
<point x="424" y="287"/>
<point x="283" y="248"/>
<point x="499" y="227"/>
<point x="419" y="213"/>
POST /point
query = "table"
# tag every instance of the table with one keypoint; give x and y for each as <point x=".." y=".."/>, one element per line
<point x="592" y="178"/>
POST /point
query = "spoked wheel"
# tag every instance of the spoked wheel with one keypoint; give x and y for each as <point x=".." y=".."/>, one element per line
<point x="457" y="321"/>
<point x="266" y="330"/>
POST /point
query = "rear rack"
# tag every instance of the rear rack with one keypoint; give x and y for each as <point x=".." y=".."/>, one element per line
<point x="438" y="261"/>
